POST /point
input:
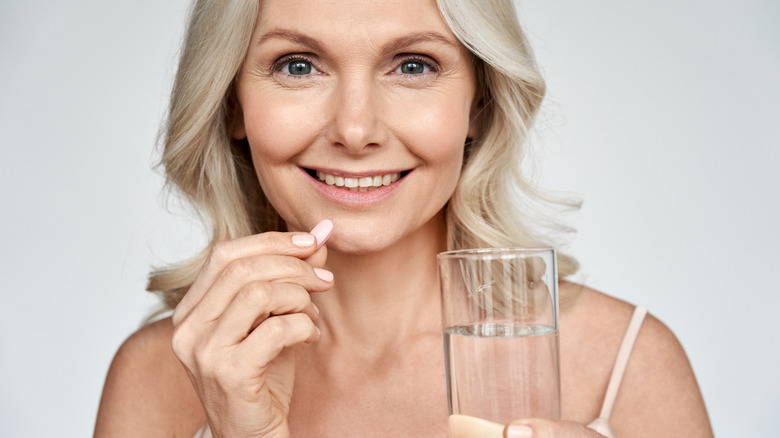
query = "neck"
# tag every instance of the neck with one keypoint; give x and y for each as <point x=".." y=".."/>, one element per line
<point x="383" y="298"/>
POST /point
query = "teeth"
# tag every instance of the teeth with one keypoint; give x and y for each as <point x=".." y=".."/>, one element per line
<point x="359" y="184"/>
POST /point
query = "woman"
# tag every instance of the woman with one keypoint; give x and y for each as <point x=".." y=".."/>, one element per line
<point x="392" y="131"/>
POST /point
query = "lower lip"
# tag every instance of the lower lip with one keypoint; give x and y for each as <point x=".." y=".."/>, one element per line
<point x="352" y="198"/>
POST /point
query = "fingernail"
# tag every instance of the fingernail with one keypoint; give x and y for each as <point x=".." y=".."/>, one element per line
<point x="316" y="309"/>
<point x="323" y="275"/>
<point x="303" y="240"/>
<point x="322" y="231"/>
<point x="519" y="431"/>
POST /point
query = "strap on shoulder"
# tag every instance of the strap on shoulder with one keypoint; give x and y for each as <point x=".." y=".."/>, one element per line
<point x="602" y="424"/>
<point x="203" y="432"/>
<point x="622" y="360"/>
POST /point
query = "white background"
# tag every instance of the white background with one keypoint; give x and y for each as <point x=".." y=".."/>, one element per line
<point x="662" y="116"/>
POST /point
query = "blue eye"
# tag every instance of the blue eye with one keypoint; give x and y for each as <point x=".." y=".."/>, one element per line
<point x="412" y="68"/>
<point x="299" y="68"/>
<point x="295" y="66"/>
<point x="415" y="67"/>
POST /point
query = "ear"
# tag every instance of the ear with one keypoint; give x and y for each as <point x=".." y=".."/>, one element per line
<point x="236" y="125"/>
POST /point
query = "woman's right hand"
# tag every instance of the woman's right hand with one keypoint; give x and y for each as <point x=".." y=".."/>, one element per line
<point x="248" y="303"/>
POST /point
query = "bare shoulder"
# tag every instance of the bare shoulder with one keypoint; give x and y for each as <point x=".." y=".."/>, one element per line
<point x="659" y="395"/>
<point x="147" y="391"/>
<point x="659" y="389"/>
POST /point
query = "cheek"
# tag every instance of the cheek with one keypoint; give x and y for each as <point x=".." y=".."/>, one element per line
<point x="437" y="136"/>
<point x="279" y="123"/>
<point x="437" y="133"/>
<point x="275" y="132"/>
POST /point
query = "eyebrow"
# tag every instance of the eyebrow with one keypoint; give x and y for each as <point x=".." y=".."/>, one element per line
<point x="417" y="38"/>
<point x="291" y="36"/>
<point x="392" y="46"/>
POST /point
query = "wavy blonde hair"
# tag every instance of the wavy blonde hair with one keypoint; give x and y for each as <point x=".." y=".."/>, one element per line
<point x="493" y="205"/>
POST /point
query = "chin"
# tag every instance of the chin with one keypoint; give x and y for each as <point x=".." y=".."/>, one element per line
<point x="365" y="236"/>
<point x="349" y="242"/>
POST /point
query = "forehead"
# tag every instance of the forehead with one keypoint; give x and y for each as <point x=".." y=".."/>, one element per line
<point x="352" y="19"/>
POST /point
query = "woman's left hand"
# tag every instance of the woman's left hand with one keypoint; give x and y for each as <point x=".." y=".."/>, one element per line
<point x="541" y="428"/>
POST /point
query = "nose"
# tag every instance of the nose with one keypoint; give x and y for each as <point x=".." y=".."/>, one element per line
<point x="355" y="122"/>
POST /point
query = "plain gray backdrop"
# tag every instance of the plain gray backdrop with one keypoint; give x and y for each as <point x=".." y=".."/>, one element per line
<point x="662" y="116"/>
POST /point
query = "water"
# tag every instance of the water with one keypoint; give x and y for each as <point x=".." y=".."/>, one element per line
<point x="502" y="371"/>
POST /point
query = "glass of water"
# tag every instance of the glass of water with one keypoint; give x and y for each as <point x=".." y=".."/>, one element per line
<point x="500" y="327"/>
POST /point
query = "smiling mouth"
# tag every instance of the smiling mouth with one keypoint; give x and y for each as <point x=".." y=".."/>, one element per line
<point x="357" y="184"/>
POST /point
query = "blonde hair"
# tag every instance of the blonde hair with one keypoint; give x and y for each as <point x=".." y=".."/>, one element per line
<point x="494" y="204"/>
<point x="215" y="173"/>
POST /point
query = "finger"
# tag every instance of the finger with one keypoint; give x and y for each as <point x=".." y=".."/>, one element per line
<point x="266" y="243"/>
<point x="292" y="244"/>
<point x="223" y="253"/>
<point x="268" y="268"/>
<point x="318" y="258"/>
<point x="542" y="428"/>
<point x="255" y="303"/>
<point x="274" y="334"/>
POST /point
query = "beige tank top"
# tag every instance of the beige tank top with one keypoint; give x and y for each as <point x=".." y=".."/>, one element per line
<point x="600" y="424"/>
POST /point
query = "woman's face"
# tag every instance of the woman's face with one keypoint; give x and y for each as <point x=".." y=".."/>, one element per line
<point x="356" y="111"/>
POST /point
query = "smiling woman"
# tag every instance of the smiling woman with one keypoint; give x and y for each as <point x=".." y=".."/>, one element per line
<point x="393" y="130"/>
<point x="356" y="116"/>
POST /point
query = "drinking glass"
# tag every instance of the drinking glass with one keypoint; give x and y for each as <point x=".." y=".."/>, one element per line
<point x="500" y="329"/>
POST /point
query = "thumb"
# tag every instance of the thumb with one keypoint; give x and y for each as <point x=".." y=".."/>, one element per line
<point x="318" y="258"/>
<point x="541" y="428"/>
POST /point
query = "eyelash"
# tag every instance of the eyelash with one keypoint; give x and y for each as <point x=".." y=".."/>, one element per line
<point x="278" y="66"/>
<point x="426" y="61"/>
<point x="283" y="61"/>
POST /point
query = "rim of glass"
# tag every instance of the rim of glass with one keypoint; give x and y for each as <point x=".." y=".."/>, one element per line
<point x="496" y="252"/>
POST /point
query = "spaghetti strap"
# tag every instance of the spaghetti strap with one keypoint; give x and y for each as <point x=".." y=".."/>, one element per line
<point x="601" y="424"/>
<point x="203" y="432"/>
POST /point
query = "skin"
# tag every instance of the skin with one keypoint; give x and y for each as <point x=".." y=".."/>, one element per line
<point x="279" y="338"/>
<point x="356" y="114"/>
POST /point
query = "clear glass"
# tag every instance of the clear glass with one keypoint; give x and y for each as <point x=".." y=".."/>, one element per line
<point x="500" y="330"/>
